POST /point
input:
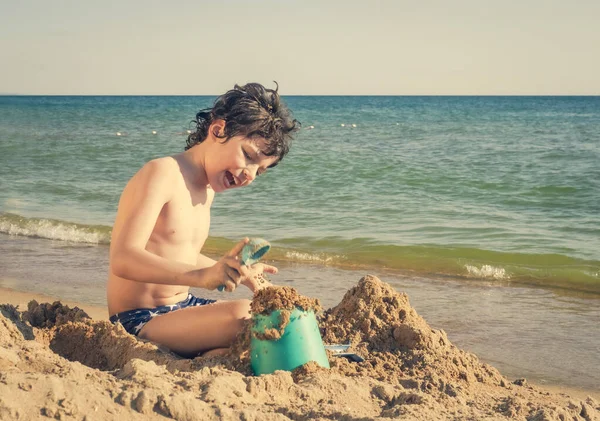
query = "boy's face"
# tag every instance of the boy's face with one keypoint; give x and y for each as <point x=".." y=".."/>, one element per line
<point x="237" y="162"/>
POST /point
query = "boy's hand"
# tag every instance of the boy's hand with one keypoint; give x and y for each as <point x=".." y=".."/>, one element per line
<point x="228" y="270"/>
<point x="255" y="279"/>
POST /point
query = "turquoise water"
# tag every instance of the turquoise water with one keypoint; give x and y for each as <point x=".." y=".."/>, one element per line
<point x="503" y="188"/>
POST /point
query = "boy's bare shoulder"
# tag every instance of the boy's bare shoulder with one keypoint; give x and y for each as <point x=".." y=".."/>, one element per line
<point x="155" y="178"/>
<point x="163" y="169"/>
<point x="166" y="164"/>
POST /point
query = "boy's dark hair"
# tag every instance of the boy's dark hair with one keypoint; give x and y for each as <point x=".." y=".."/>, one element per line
<point x="250" y="110"/>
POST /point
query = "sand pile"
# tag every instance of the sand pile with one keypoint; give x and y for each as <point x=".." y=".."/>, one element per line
<point x="396" y="342"/>
<point x="282" y="298"/>
<point x="84" y="369"/>
<point x="49" y="315"/>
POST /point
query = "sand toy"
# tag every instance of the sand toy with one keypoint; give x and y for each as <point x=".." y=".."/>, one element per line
<point x="341" y="350"/>
<point x="275" y="348"/>
<point x="284" y="332"/>
<point x="252" y="253"/>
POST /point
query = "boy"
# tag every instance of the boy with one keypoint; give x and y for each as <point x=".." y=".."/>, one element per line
<point x="163" y="221"/>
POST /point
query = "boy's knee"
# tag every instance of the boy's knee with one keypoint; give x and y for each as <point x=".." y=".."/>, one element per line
<point x="241" y="309"/>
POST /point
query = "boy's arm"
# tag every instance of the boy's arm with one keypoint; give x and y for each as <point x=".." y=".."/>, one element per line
<point x="143" y="199"/>
<point x="204" y="261"/>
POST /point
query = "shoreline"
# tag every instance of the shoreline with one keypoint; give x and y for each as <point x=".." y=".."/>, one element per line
<point x="21" y="299"/>
<point x="463" y="264"/>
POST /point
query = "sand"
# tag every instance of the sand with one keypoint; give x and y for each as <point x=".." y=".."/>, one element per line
<point x="21" y="299"/>
<point x="75" y="368"/>
<point x="284" y="300"/>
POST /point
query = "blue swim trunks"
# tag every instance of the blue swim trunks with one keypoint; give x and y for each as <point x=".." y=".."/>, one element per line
<point x="134" y="320"/>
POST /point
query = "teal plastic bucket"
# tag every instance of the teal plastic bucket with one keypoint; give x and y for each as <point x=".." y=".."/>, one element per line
<point x="300" y="343"/>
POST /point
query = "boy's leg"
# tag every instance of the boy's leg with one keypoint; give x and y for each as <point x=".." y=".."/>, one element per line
<point x="192" y="330"/>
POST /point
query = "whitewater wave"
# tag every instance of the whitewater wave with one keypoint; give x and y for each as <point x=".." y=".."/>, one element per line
<point x="54" y="230"/>
<point x="555" y="270"/>
<point x="487" y="272"/>
<point x="312" y="257"/>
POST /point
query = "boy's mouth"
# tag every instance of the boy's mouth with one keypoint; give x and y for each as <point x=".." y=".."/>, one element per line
<point x="229" y="180"/>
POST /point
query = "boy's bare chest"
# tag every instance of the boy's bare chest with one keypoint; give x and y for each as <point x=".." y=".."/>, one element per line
<point x="185" y="221"/>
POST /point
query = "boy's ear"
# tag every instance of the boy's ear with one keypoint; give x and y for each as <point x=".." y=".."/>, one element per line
<point x="217" y="128"/>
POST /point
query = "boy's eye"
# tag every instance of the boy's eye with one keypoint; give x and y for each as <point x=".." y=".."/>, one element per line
<point x="246" y="154"/>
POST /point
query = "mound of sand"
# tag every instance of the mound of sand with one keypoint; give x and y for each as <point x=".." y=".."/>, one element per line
<point x="49" y="315"/>
<point x="396" y="342"/>
<point x="74" y="368"/>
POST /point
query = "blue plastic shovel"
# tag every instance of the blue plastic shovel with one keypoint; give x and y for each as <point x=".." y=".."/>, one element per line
<point x="252" y="253"/>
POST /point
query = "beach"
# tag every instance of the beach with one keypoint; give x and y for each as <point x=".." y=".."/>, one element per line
<point x="482" y="210"/>
<point x="429" y="189"/>
<point x="525" y="331"/>
<point x="67" y="366"/>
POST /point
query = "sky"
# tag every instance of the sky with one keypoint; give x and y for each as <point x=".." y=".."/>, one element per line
<point x="311" y="47"/>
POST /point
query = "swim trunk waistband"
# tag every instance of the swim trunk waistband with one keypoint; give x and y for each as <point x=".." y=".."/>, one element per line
<point x="134" y="320"/>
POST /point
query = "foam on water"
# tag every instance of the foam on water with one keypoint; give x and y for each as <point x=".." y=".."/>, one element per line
<point x="53" y="230"/>
<point x="487" y="272"/>
<point x="312" y="257"/>
<point x="544" y="270"/>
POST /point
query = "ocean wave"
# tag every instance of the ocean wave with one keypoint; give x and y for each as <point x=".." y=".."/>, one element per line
<point x="52" y="229"/>
<point x="592" y="274"/>
<point x="312" y="257"/>
<point x="548" y="270"/>
<point x="487" y="272"/>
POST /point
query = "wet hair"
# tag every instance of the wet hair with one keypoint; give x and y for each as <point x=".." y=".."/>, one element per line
<point x="251" y="111"/>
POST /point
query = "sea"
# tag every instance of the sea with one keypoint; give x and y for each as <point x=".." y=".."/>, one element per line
<point x="485" y="210"/>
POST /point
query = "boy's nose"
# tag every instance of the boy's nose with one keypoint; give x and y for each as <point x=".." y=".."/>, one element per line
<point x="249" y="174"/>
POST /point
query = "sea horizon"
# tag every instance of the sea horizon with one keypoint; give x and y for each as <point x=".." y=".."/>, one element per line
<point x="314" y="95"/>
